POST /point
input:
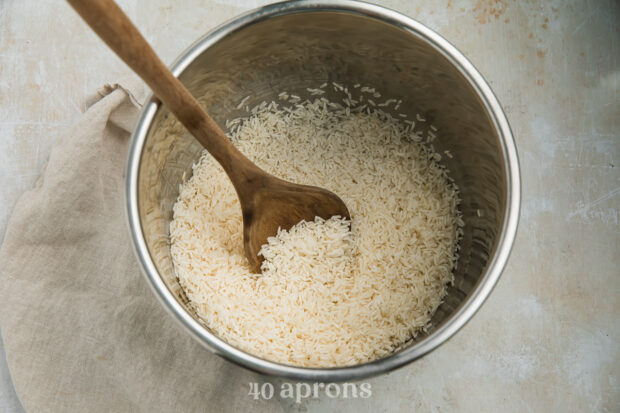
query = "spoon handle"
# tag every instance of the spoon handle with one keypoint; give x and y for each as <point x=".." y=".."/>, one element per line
<point x="119" y="33"/>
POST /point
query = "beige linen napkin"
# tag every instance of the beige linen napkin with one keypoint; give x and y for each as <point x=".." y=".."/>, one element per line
<point x="82" y="330"/>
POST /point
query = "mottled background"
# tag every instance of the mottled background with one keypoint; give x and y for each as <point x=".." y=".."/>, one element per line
<point x="547" y="338"/>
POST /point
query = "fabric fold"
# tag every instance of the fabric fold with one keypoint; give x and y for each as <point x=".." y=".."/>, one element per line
<point x="82" y="331"/>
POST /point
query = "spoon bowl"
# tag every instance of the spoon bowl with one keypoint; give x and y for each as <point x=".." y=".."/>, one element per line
<point x="280" y="205"/>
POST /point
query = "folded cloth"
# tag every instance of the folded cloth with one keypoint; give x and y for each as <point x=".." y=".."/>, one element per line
<point x="82" y="331"/>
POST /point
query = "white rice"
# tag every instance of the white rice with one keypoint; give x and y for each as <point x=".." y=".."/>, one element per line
<point x="245" y="99"/>
<point x="315" y="92"/>
<point x="328" y="295"/>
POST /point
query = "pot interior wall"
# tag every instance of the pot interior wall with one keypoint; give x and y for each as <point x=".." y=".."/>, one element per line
<point x="295" y="52"/>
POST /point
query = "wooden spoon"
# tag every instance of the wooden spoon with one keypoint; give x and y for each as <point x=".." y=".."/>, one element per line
<point x="267" y="202"/>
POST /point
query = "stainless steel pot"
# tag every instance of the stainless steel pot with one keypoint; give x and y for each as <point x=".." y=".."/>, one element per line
<point x="302" y="44"/>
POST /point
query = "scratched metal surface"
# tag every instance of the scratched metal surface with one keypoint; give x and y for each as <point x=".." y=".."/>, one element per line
<point x="547" y="339"/>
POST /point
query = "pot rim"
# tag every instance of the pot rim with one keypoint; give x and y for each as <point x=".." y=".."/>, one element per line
<point x="455" y="322"/>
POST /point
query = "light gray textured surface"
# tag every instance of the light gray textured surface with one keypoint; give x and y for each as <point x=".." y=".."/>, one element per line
<point x="547" y="339"/>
